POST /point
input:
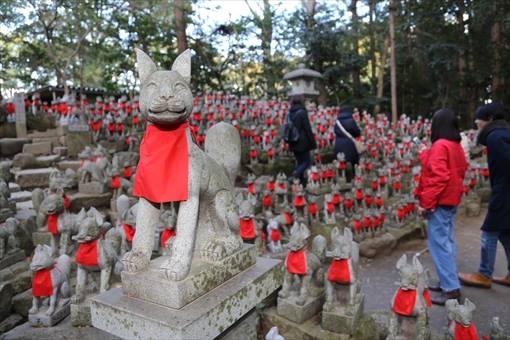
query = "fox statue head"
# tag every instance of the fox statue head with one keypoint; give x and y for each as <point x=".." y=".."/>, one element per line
<point x="165" y="95"/>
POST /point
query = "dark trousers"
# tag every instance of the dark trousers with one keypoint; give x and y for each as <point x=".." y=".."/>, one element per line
<point x="303" y="161"/>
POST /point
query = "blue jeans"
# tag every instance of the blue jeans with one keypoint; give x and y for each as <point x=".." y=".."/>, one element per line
<point x="489" y="244"/>
<point x="441" y="233"/>
<point x="303" y="161"/>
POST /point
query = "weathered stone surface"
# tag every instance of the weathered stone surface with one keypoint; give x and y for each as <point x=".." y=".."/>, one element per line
<point x="13" y="187"/>
<point x="87" y="201"/>
<point x="76" y="141"/>
<point x="92" y="188"/>
<point x="22" y="302"/>
<point x="64" y="165"/>
<point x="43" y="134"/>
<point x="41" y="148"/>
<point x="9" y="323"/>
<point x="42" y="320"/>
<point x="299" y="314"/>
<point x="41" y="237"/>
<point x="33" y="178"/>
<point x="205" y="318"/>
<point x="12" y="258"/>
<point x="152" y="285"/>
<point x="22" y="282"/>
<point x="60" y="150"/>
<point x="80" y="313"/>
<point x="245" y="329"/>
<point x="382" y="244"/>
<point x="21" y="196"/>
<point x="11" y="146"/>
<point x="341" y="321"/>
<point x="6" y="294"/>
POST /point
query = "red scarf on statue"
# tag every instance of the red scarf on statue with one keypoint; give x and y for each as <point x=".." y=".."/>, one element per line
<point x="247" y="228"/>
<point x="275" y="235"/>
<point x="41" y="282"/>
<point x="296" y="262"/>
<point x="129" y="231"/>
<point x="87" y="254"/>
<point x="162" y="172"/>
<point x="166" y="234"/>
<point x="339" y="271"/>
<point x="53" y="223"/>
<point x="465" y="333"/>
<point x="404" y="302"/>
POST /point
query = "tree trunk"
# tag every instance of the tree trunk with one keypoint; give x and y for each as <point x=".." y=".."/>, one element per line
<point x="373" y="66"/>
<point x="356" y="82"/>
<point x="393" y="66"/>
<point x="180" y="25"/>
<point x="267" y="38"/>
<point x="497" y="45"/>
<point x="380" y="78"/>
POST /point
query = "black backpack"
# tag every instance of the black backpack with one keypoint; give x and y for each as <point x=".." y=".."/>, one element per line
<point x="290" y="132"/>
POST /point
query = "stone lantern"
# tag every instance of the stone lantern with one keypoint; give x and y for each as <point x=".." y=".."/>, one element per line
<point x="303" y="81"/>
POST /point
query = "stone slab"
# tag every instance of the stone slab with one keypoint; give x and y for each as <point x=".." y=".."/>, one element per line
<point x="77" y="141"/>
<point x="79" y="200"/>
<point x="10" y="259"/>
<point x="13" y="187"/>
<point x="152" y="285"/>
<point x="42" y="134"/>
<point x="21" y="196"/>
<point x="10" y="322"/>
<point x="40" y="148"/>
<point x="339" y="321"/>
<point x="55" y="141"/>
<point x="33" y="178"/>
<point x="80" y="313"/>
<point x="245" y="329"/>
<point x="64" y="165"/>
<point x="11" y="146"/>
<point x="60" y="150"/>
<point x="6" y="213"/>
<point x="22" y="302"/>
<point x="92" y="188"/>
<point x="205" y="318"/>
<point x="298" y="314"/>
<point x="41" y="237"/>
<point x="42" y="320"/>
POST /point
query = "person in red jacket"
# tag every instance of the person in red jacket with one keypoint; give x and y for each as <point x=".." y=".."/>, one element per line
<point x="440" y="192"/>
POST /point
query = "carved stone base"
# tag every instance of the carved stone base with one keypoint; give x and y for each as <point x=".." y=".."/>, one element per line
<point x="80" y="313"/>
<point x="207" y="317"/>
<point x="293" y="312"/>
<point x="42" y="320"/>
<point x="152" y="285"/>
<point x="91" y="188"/>
<point x="12" y="258"/>
<point x="342" y="321"/>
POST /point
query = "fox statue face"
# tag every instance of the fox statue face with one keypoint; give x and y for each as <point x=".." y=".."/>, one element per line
<point x="462" y="314"/>
<point x="299" y="235"/>
<point x="42" y="258"/>
<point x="341" y="245"/>
<point x="165" y="95"/>
<point x="409" y="273"/>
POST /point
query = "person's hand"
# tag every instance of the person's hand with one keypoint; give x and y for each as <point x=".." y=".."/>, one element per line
<point x="423" y="212"/>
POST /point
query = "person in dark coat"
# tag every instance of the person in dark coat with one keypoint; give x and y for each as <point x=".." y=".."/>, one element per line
<point x="306" y="142"/>
<point x="343" y="143"/>
<point x="494" y="132"/>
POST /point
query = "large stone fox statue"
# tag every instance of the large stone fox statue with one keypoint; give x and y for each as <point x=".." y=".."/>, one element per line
<point x="172" y="168"/>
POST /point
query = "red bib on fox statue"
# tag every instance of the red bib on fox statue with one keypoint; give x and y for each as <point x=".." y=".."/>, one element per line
<point x="162" y="172"/>
<point x="339" y="271"/>
<point x="86" y="255"/>
<point x="41" y="282"/>
<point x="296" y="262"/>
<point x="465" y="333"/>
<point x="404" y="302"/>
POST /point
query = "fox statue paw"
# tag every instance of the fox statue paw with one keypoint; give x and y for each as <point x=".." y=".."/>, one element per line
<point x="220" y="247"/>
<point x="134" y="261"/>
<point x="176" y="268"/>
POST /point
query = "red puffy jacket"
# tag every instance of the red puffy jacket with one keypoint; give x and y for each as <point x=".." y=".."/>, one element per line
<point x="442" y="174"/>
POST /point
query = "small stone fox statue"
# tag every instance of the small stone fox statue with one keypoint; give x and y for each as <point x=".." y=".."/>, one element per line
<point x="51" y="279"/>
<point x="409" y="318"/>
<point x="172" y="168"/>
<point x="95" y="252"/>
<point x="302" y="266"/>
<point x="342" y="279"/>
<point x="460" y="320"/>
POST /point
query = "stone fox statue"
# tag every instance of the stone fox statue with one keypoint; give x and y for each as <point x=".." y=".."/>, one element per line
<point x="172" y="168"/>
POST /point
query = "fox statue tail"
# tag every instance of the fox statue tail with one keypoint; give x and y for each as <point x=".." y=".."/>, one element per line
<point x="223" y="144"/>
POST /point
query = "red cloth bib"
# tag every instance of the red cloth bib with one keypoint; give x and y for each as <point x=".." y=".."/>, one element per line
<point x="52" y="224"/>
<point x="41" y="282"/>
<point x="404" y="302"/>
<point x="67" y="201"/>
<point x="339" y="271"/>
<point x="115" y="184"/>
<point x="162" y="172"/>
<point x="87" y="254"/>
<point x="267" y="201"/>
<point x="299" y="201"/>
<point x="127" y="172"/>
<point x="296" y="262"/>
<point x="275" y="235"/>
<point x="247" y="228"/>
<point x="465" y="333"/>
<point x="312" y="209"/>
<point x="165" y="235"/>
<point x="251" y="188"/>
<point x="288" y="218"/>
<point x="426" y="297"/>
<point x="129" y="231"/>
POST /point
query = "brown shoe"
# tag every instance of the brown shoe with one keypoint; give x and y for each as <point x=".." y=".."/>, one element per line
<point x="502" y="280"/>
<point x="475" y="280"/>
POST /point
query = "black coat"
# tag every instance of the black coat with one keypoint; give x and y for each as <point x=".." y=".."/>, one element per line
<point x="343" y="143"/>
<point x="299" y="116"/>
<point x="496" y="136"/>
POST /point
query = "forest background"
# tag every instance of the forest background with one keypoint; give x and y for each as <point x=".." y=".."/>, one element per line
<point x="453" y="53"/>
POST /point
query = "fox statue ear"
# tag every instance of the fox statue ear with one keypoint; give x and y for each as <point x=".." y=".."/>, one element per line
<point x="145" y="65"/>
<point x="402" y="261"/>
<point x="182" y="65"/>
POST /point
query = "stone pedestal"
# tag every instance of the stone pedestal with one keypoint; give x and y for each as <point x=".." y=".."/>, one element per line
<point x="34" y="178"/>
<point x="342" y="320"/>
<point x="12" y="258"/>
<point x="295" y="313"/>
<point x="40" y="319"/>
<point x="80" y="313"/>
<point x="41" y="237"/>
<point x="152" y="285"/>
<point x="79" y="200"/>
<point x="92" y="188"/>
<point x="41" y="148"/>
<point x="209" y="316"/>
